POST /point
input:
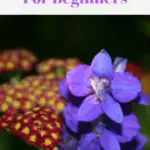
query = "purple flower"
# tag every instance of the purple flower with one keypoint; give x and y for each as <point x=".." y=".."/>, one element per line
<point x="64" y="91"/>
<point x="72" y="122"/>
<point x="120" y="64"/>
<point x="141" y="141"/>
<point x="130" y="127"/>
<point x="101" y="138"/>
<point x="71" y="144"/>
<point x="143" y="99"/>
<point x="89" y="142"/>
<point x="102" y="87"/>
<point x="70" y="116"/>
<point x="124" y="132"/>
<point x="68" y="141"/>
<point x="137" y="143"/>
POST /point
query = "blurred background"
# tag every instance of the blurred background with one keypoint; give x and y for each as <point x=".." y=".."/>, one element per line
<point x="81" y="37"/>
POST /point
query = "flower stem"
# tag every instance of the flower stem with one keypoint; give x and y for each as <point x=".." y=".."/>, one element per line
<point x="15" y="78"/>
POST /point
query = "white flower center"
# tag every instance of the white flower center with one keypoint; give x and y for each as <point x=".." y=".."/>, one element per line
<point x="99" y="85"/>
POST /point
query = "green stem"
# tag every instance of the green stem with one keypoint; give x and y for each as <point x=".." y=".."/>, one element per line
<point x="60" y="70"/>
<point x="15" y="78"/>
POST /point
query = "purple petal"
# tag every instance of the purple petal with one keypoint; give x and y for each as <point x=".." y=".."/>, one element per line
<point x="108" y="141"/>
<point x="89" y="142"/>
<point x="142" y="140"/>
<point x="102" y="65"/>
<point x="112" y="109"/>
<point x="117" y="60"/>
<point x="78" y="81"/>
<point x="130" y="126"/>
<point x="66" y="135"/>
<point x="144" y="99"/>
<point x="63" y="89"/>
<point x="90" y="109"/>
<point x="71" y="144"/>
<point x="122" y="139"/>
<point x="120" y="64"/>
<point x="70" y="115"/>
<point x="125" y="87"/>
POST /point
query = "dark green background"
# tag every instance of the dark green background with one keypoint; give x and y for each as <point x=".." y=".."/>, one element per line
<point x="80" y="36"/>
<point x="77" y="36"/>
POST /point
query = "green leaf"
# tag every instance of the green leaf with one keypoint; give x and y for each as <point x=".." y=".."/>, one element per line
<point x="143" y="113"/>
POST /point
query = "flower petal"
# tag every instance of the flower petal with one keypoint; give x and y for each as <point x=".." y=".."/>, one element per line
<point x="142" y="140"/>
<point x="102" y="65"/>
<point x="90" y="109"/>
<point x="122" y="139"/>
<point x="144" y="99"/>
<point x="78" y="81"/>
<point x="71" y="144"/>
<point x="130" y="126"/>
<point x="70" y="115"/>
<point x="109" y="141"/>
<point x="63" y="89"/>
<point x="89" y="142"/>
<point x="112" y="109"/>
<point x="125" y="87"/>
<point x="68" y="142"/>
<point x="120" y="64"/>
<point x="66" y="136"/>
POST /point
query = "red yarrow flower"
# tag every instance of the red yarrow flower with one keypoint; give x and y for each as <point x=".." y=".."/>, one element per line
<point x="61" y="66"/>
<point x="31" y="92"/>
<point x="40" y="127"/>
<point x="14" y="59"/>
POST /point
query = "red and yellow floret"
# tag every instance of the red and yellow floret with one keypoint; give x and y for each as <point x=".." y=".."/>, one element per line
<point x="72" y="63"/>
<point x="14" y="59"/>
<point x="43" y="91"/>
<point x="55" y="64"/>
<point x="8" y="118"/>
<point x="13" y="97"/>
<point x="31" y="92"/>
<point x="40" y="127"/>
<point x="50" y="64"/>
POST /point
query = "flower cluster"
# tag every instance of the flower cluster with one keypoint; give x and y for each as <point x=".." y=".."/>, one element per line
<point x="40" y="127"/>
<point x="15" y="59"/>
<point x="60" y="66"/>
<point x="98" y="114"/>
<point x="32" y="91"/>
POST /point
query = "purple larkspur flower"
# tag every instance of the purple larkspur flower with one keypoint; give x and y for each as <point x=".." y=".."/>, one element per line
<point x="129" y="128"/>
<point x="141" y="141"/>
<point x="101" y="138"/>
<point x="72" y="122"/>
<point x="143" y="99"/>
<point x="68" y="141"/>
<point x="137" y="143"/>
<point x="70" y="116"/>
<point x="103" y="88"/>
<point x="64" y="91"/>
<point x="119" y="65"/>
